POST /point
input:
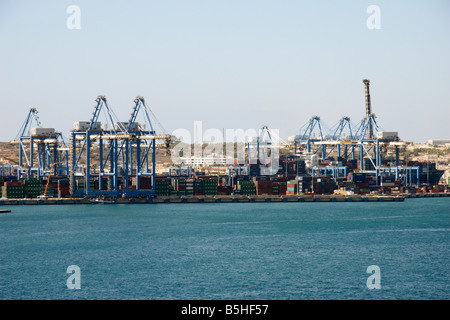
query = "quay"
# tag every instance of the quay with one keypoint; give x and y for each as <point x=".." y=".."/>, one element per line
<point x="228" y="199"/>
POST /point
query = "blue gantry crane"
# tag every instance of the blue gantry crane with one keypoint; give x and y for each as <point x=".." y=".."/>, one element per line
<point x="258" y="148"/>
<point x="82" y="137"/>
<point x="124" y="149"/>
<point x="25" y="141"/>
<point x="339" y="135"/>
<point x="345" y="138"/>
<point x="263" y="151"/>
<point x="44" y="144"/>
<point x="312" y="135"/>
<point x="144" y="141"/>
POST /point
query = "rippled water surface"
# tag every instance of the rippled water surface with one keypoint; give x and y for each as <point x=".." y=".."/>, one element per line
<point x="227" y="251"/>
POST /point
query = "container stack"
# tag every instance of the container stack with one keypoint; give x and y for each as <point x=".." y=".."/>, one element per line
<point x="302" y="184"/>
<point x="198" y="186"/>
<point x="292" y="166"/>
<point x="246" y="187"/>
<point x="357" y="177"/>
<point x="32" y="188"/>
<point x="224" y="190"/>
<point x="292" y="187"/>
<point x="81" y="185"/>
<point x="145" y="183"/>
<point x="361" y="182"/>
<point x="349" y="185"/>
<point x="235" y="180"/>
<point x="263" y="187"/>
<point x="179" y="185"/>
<point x="275" y="188"/>
<point x="323" y="186"/>
<point x="279" y="185"/>
<point x="352" y="163"/>
<point x="254" y="169"/>
<point x="162" y="187"/>
<point x="63" y="188"/>
<point x="209" y="186"/>
<point x="368" y="165"/>
<point x="190" y="187"/>
<point x="387" y="181"/>
<point x="12" y="190"/>
<point x="52" y="191"/>
<point x="282" y="187"/>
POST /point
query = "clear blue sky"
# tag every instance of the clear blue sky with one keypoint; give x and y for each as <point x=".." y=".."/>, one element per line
<point x="231" y="64"/>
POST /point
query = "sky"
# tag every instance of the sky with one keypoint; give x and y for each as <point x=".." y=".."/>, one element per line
<point x="235" y="64"/>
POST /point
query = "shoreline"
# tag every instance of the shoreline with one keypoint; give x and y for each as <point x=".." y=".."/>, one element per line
<point x="227" y="199"/>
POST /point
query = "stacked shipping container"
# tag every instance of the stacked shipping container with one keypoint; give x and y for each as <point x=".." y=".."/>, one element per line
<point x="32" y="188"/>
<point x="190" y="187"/>
<point x="162" y="187"/>
<point x="263" y="187"/>
<point x="63" y="188"/>
<point x="209" y="186"/>
<point x="246" y="187"/>
<point x="224" y="190"/>
<point x="12" y="189"/>
<point x="145" y="183"/>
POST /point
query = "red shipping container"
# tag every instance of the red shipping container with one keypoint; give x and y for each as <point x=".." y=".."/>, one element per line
<point x="13" y="184"/>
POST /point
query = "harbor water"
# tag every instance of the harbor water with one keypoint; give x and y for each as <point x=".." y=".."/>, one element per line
<point x="271" y="251"/>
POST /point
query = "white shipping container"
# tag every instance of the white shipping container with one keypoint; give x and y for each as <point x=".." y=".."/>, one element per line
<point x="84" y="125"/>
<point x="134" y="127"/>
<point x="81" y="125"/>
<point x="387" y="184"/>
<point x="387" y="135"/>
<point x="42" y="132"/>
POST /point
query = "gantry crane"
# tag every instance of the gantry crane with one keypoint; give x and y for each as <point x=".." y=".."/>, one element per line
<point x="373" y="149"/>
<point x="143" y="138"/>
<point x="85" y="134"/>
<point x="46" y="142"/>
<point x="119" y="160"/>
<point x="308" y="137"/>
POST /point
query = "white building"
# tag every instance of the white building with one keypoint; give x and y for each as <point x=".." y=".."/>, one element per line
<point x="211" y="160"/>
<point x="438" y="142"/>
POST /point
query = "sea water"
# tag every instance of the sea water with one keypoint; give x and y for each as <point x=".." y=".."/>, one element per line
<point x="271" y="251"/>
